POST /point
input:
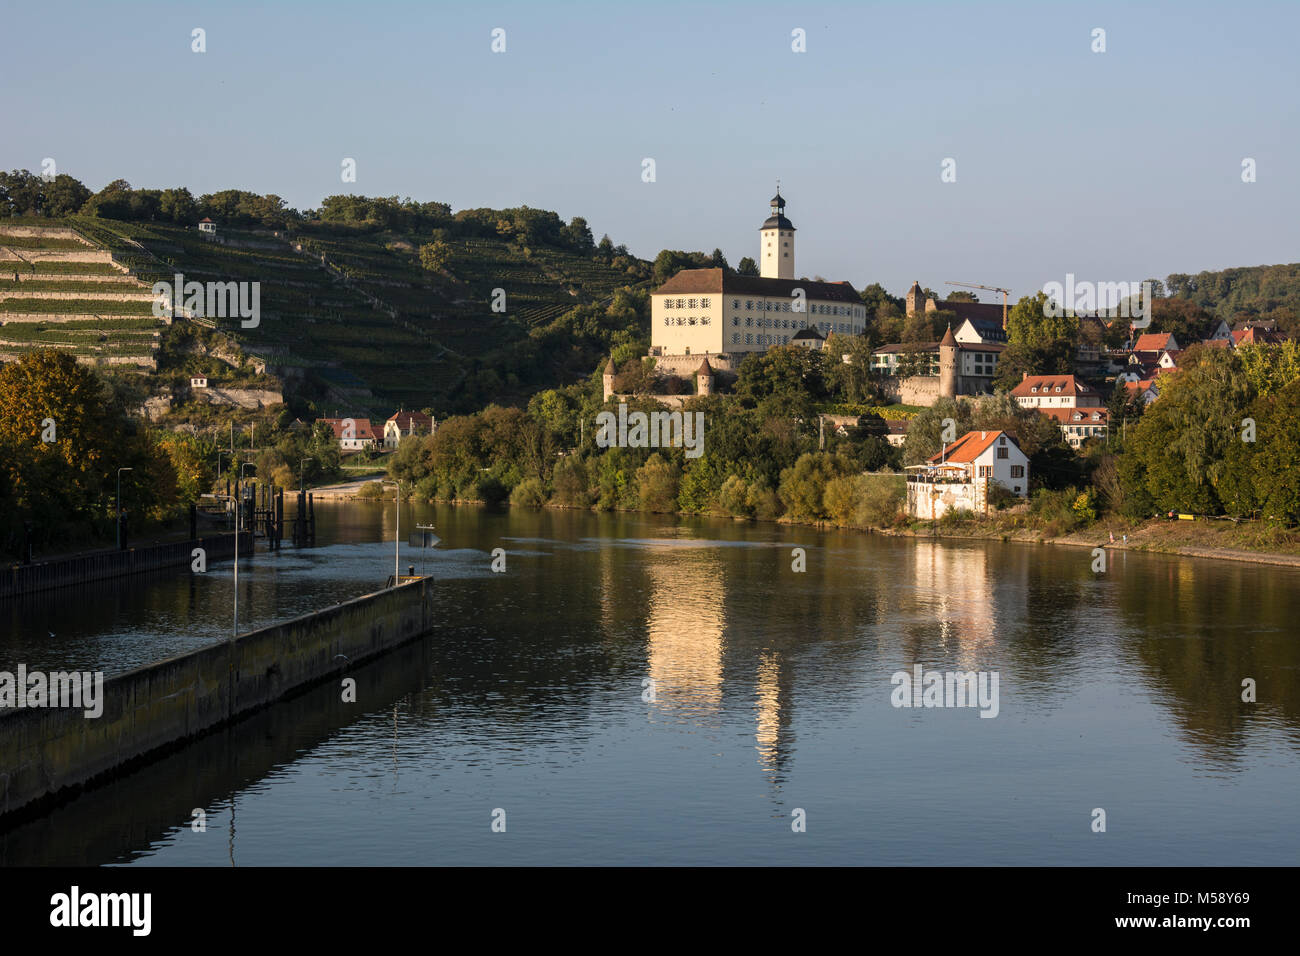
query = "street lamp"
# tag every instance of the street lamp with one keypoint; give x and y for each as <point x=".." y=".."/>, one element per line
<point x="119" y="505"/>
<point x="235" y="631"/>
<point x="302" y="473"/>
<point x="397" y="534"/>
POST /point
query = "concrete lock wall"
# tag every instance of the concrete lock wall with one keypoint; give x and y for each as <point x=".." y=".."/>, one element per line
<point x="48" y="751"/>
<point x="66" y="572"/>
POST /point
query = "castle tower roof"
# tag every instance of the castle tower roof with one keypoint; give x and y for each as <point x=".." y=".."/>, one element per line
<point x="949" y="338"/>
<point x="705" y="369"/>
<point x="609" y="366"/>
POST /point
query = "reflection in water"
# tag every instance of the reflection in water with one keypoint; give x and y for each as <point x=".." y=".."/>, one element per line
<point x="684" y="626"/>
<point x="1122" y="690"/>
<point x="962" y="595"/>
<point x="768" y="708"/>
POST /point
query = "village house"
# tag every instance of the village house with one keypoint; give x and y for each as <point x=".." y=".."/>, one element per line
<point x="959" y="478"/>
<point x="208" y="228"/>
<point x="1055" y="391"/>
<point x="404" y="424"/>
<point x="198" y="381"/>
<point x="1079" y="424"/>
<point x="353" y="434"/>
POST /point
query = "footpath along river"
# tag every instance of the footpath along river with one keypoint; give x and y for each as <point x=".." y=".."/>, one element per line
<point x="657" y="689"/>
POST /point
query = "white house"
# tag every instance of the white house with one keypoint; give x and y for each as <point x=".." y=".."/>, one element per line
<point x="198" y="381"/>
<point x="1055" y="391"/>
<point x="959" y="477"/>
<point x="207" y="227"/>
<point x="353" y="434"/>
<point x="403" y="424"/>
<point x="1079" y="424"/>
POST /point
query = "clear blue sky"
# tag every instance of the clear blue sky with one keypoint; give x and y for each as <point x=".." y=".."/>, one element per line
<point x="1114" y="166"/>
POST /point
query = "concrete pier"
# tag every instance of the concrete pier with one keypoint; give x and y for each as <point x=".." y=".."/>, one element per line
<point x="48" y="753"/>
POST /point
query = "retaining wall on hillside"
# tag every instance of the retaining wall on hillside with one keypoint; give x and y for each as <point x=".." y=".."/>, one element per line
<point x="46" y="752"/>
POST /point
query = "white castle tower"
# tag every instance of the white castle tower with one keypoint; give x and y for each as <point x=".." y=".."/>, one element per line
<point x="776" y="243"/>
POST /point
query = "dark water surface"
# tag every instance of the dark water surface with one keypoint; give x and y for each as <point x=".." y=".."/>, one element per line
<point x="772" y="694"/>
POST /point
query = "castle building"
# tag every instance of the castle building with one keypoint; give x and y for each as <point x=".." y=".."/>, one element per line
<point x="945" y="369"/>
<point x="726" y="315"/>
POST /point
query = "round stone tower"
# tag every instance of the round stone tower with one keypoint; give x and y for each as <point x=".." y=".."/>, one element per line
<point x="948" y="373"/>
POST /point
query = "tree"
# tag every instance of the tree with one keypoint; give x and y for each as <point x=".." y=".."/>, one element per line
<point x="961" y="295"/>
<point x="719" y="261"/>
<point x="577" y="235"/>
<point x="747" y="267"/>
<point x="435" y="256"/>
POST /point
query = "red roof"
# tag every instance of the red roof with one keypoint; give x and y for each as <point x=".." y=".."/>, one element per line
<point x="1153" y="342"/>
<point x="1056" y="384"/>
<point x="1256" y="336"/>
<point x="404" y="420"/>
<point x="361" y="429"/>
<point x="205" y="219"/>
<point x="969" y="447"/>
<point x="1078" y="416"/>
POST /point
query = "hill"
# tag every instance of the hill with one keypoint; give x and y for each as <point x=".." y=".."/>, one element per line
<point x="1244" y="292"/>
<point x="349" y="315"/>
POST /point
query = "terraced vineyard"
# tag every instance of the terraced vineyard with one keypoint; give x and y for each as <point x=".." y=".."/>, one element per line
<point x="353" y="311"/>
<point x="59" y="289"/>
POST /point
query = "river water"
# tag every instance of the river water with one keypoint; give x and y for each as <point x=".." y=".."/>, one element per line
<point x="662" y="690"/>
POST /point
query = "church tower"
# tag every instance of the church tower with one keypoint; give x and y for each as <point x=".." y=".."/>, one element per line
<point x="776" y="243"/>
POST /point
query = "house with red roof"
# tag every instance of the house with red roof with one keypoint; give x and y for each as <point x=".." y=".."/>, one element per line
<point x="1079" y="424"/>
<point x="1055" y="391"/>
<point x="960" y="476"/>
<point x="353" y="434"/>
<point x="403" y="424"/>
<point x="1156" y="342"/>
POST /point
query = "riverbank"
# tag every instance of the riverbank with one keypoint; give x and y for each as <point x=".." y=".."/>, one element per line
<point x="1220" y="540"/>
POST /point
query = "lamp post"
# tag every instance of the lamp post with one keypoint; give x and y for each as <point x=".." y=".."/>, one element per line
<point x="119" y="505"/>
<point x="302" y="473"/>
<point x="397" y="534"/>
<point x="235" y="629"/>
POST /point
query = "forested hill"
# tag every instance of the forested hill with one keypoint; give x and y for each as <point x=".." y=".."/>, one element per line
<point x="1243" y="292"/>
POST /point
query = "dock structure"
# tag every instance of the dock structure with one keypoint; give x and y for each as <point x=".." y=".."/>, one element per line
<point x="47" y="753"/>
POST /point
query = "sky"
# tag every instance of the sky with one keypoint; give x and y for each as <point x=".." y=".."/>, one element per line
<point x="1114" y="166"/>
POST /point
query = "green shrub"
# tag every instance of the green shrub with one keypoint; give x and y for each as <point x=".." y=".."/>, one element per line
<point x="371" y="489"/>
<point x="529" y="493"/>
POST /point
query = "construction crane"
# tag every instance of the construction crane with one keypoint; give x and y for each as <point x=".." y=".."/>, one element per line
<point x="1005" y="293"/>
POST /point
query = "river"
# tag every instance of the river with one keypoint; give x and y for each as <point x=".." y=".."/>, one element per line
<point x="645" y="689"/>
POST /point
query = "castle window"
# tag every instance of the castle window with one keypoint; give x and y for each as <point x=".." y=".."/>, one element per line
<point x="749" y="321"/>
<point x="735" y="303"/>
<point x="690" y="303"/>
<point x="668" y="303"/>
<point x="691" y="320"/>
<point x="681" y="303"/>
<point x="704" y="320"/>
<point x="704" y="303"/>
<point x="786" y="254"/>
<point x="749" y="339"/>
<point x="735" y="338"/>
<point x="735" y="320"/>
<point x="785" y="243"/>
<point x="667" y="321"/>
<point x="749" y="304"/>
<point x="785" y="306"/>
